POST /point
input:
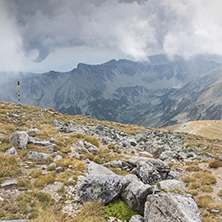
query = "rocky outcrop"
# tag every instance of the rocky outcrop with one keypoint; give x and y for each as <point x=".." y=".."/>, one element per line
<point x="170" y="207"/>
<point x="19" y="139"/>
<point x="136" y="218"/>
<point x="94" y="168"/>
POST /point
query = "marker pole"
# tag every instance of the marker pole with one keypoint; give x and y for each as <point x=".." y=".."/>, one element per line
<point x="18" y="86"/>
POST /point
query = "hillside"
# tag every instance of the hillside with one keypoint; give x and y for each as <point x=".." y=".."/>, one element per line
<point x="157" y="93"/>
<point x="211" y="129"/>
<point x="60" y="163"/>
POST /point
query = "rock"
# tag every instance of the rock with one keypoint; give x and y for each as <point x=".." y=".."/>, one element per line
<point x="50" y="148"/>
<point x="58" y="157"/>
<point x="19" y="139"/>
<point x="168" y="155"/>
<point x="11" y="151"/>
<point x="9" y="182"/>
<point x="145" y="153"/>
<point x="56" y="123"/>
<point x="91" y="147"/>
<point x="32" y="155"/>
<point x="147" y="172"/>
<point x="135" y="193"/>
<point x="104" y="188"/>
<point x="1" y="199"/>
<point x="59" y="169"/>
<point x="38" y="142"/>
<point x="52" y="140"/>
<point x="170" y="207"/>
<point x="136" y="218"/>
<point x="169" y="185"/>
<point x="33" y="131"/>
<point x="94" y="168"/>
<point x="114" y="164"/>
<point x="174" y="174"/>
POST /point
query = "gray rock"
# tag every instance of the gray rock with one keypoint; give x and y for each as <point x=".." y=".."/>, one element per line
<point x="114" y="164"/>
<point x="19" y="139"/>
<point x="94" y="168"/>
<point x="145" y="153"/>
<point x="174" y="174"/>
<point x="50" y="148"/>
<point x="58" y="157"/>
<point x="38" y="142"/>
<point x="169" y="185"/>
<point x="56" y="123"/>
<point x="167" y="155"/>
<point x="52" y="140"/>
<point x="11" y="151"/>
<point x="91" y="147"/>
<point x="34" y="131"/>
<point x="32" y="155"/>
<point x="171" y="207"/>
<point x="59" y="169"/>
<point x="136" y="218"/>
<point x="135" y="193"/>
<point x="104" y="188"/>
<point x="9" y="182"/>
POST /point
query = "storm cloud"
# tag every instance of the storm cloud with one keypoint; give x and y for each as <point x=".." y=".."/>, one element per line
<point x="54" y="34"/>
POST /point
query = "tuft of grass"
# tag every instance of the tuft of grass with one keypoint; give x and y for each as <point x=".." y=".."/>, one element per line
<point x="219" y="194"/>
<point x="9" y="166"/>
<point x="35" y="173"/>
<point x="204" y="200"/>
<point x="195" y="185"/>
<point x="24" y="184"/>
<point x="188" y="179"/>
<point x="90" y="212"/>
<point x="47" y="215"/>
<point x="120" y="210"/>
<point x="215" y="164"/>
<point x="92" y="140"/>
<point x="44" y="180"/>
<point x="119" y="172"/>
<point x="79" y="165"/>
<point x="193" y="168"/>
<point x="208" y="179"/>
<point x="194" y="192"/>
<point x="207" y="189"/>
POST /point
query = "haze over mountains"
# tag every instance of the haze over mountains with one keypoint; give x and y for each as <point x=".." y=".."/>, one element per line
<point x="156" y="93"/>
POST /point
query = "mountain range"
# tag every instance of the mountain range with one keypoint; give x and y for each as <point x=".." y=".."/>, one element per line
<point x="152" y="93"/>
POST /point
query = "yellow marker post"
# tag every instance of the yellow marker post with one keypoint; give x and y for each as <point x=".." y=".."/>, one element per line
<point x="18" y="86"/>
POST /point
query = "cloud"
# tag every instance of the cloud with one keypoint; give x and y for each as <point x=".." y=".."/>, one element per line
<point x="37" y="31"/>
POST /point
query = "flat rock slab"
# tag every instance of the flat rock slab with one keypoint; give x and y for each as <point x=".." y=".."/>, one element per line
<point x="171" y="207"/>
<point x="169" y="185"/>
<point x="94" y="168"/>
<point x="9" y="182"/>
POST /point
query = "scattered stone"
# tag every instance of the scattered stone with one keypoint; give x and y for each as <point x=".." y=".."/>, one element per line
<point x="32" y="155"/>
<point x="91" y="147"/>
<point x="37" y="141"/>
<point x="59" y="169"/>
<point x="145" y="153"/>
<point x="9" y="182"/>
<point x="58" y="157"/>
<point x="114" y="164"/>
<point x="50" y="148"/>
<point x="19" y="139"/>
<point x="52" y="140"/>
<point x="1" y="199"/>
<point x="11" y="151"/>
<point x="169" y="185"/>
<point x="171" y="207"/>
<point x="33" y="131"/>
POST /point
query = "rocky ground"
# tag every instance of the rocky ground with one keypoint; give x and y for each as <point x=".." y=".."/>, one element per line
<point x="56" y="167"/>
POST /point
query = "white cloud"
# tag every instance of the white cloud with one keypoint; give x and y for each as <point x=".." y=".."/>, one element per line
<point x="53" y="33"/>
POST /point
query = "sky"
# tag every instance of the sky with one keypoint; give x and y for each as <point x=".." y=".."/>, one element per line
<point x="42" y="35"/>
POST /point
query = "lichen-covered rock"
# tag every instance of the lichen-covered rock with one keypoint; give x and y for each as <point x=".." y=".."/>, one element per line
<point x="103" y="188"/>
<point x="19" y="139"/>
<point x="171" y="207"/>
<point x="136" y="218"/>
<point x="11" y="151"/>
<point x="91" y="147"/>
<point x="135" y="193"/>
<point x="32" y="155"/>
<point x="114" y="164"/>
<point x="94" y="168"/>
<point x="33" y="131"/>
<point x="38" y="142"/>
<point x="169" y="185"/>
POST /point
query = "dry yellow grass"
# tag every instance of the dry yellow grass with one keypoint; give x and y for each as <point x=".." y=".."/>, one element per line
<point x="211" y="129"/>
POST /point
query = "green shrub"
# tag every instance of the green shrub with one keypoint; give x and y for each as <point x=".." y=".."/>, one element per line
<point x="120" y="210"/>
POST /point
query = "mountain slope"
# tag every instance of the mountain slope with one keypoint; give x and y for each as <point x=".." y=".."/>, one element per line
<point x="151" y="93"/>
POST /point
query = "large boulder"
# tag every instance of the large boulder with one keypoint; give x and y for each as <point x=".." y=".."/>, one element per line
<point x="19" y="139"/>
<point x="135" y="193"/>
<point x="170" y="185"/>
<point x="103" y="188"/>
<point x="94" y="168"/>
<point x="171" y="207"/>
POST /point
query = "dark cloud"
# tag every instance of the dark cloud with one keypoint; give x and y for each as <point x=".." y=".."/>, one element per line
<point x="39" y="30"/>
